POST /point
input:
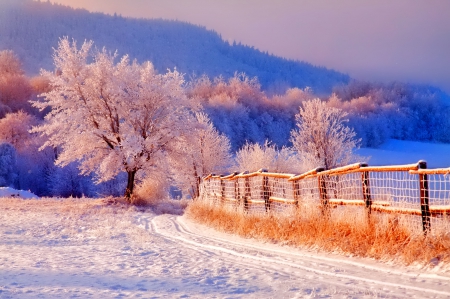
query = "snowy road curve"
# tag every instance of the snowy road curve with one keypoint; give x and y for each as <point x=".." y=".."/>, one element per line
<point x="257" y="269"/>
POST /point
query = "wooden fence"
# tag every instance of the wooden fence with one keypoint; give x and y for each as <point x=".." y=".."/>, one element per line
<point x="403" y="189"/>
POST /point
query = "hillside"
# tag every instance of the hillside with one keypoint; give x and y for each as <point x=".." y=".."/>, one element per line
<point x="32" y="29"/>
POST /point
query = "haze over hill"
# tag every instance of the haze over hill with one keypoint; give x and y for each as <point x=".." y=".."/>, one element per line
<point x="381" y="40"/>
<point x="32" y="29"/>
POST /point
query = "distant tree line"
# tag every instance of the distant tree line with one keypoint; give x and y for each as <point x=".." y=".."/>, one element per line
<point x="105" y="125"/>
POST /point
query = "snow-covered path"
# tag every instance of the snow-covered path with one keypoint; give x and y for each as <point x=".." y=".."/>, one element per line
<point x="267" y="270"/>
<point x="99" y="252"/>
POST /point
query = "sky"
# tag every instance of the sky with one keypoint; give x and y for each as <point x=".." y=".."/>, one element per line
<point x="377" y="40"/>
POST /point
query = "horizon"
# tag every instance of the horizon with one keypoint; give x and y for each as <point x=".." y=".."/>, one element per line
<point x="375" y="41"/>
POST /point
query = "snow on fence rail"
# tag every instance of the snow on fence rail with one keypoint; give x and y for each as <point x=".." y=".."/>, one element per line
<point x="413" y="190"/>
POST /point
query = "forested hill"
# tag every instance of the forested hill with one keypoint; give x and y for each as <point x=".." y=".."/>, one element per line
<point x="32" y="29"/>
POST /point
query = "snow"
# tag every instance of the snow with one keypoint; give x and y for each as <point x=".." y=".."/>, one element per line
<point x="81" y="248"/>
<point x="10" y="192"/>
<point x="397" y="152"/>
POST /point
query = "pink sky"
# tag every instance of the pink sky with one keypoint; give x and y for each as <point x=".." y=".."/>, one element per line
<point x="407" y="40"/>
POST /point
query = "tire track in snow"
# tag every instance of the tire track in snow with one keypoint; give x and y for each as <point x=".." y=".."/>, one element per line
<point x="176" y="231"/>
<point x="263" y="267"/>
<point x="181" y="225"/>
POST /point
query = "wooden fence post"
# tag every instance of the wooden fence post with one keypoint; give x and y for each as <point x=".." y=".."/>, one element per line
<point x="212" y="187"/>
<point x="424" y="198"/>
<point x="323" y="191"/>
<point x="236" y="190"/>
<point x="239" y="193"/>
<point x="266" y="191"/>
<point x="296" y="190"/>
<point x="222" y="189"/>
<point x="366" y="190"/>
<point x="247" y="192"/>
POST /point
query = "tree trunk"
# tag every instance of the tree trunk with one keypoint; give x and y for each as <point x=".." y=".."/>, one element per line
<point x="196" y="188"/>
<point x="130" y="185"/>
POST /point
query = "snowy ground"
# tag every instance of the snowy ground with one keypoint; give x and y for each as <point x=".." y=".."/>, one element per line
<point x="10" y="192"/>
<point x="84" y="249"/>
<point x="396" y="152"/>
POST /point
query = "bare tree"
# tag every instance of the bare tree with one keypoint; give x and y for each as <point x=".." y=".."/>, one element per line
<point x="321" y="137"/>
<point x="111" y="117"/>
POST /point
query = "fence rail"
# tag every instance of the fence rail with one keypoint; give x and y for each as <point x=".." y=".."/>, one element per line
<point x="409" y="189"/>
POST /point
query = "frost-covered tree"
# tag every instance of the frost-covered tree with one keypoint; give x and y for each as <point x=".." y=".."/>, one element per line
<point x="206" y="151"/>
<point x="15" y="88"/>
<point x="14" y="129"/>
<point x="321" y="137"/>
<point x="253" y="157"/>
<point x="10" y="64"/>
<point x="110" y="116"/>
<point x="240" y="109"/>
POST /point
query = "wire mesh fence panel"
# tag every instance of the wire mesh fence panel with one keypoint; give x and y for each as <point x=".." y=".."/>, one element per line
<point x="255" y="203"/>
<point x="439" y="201"/>
<point x="439" y="189"/>
<point x="207" y="193"/>
<point x="398" y="189"/>
<point x="280" y="188"/>
<point x="243" y="191"/>
<point x="345" y="187"/>
<point x="418" y="200"/>
<point x="256" y="188"/>
<point x="398" y="192"/>
<point x="216" y="189"/>
<point x="308" y="191"/>
<point x="229" y="191"/>
<point x="280" y="194"/>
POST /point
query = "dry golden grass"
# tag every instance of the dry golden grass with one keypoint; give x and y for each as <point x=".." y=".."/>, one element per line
<point x="347" y="231"/>
<point x="150" y="192"/>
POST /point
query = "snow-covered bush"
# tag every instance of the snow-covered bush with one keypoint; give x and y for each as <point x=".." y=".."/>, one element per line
<point x="253" y="157"/>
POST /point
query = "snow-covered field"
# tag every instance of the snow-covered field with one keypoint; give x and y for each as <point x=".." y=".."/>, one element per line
<point x="11" y="192"/>
<point x="396" y="152"/>
<point x="84" y="249"/>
